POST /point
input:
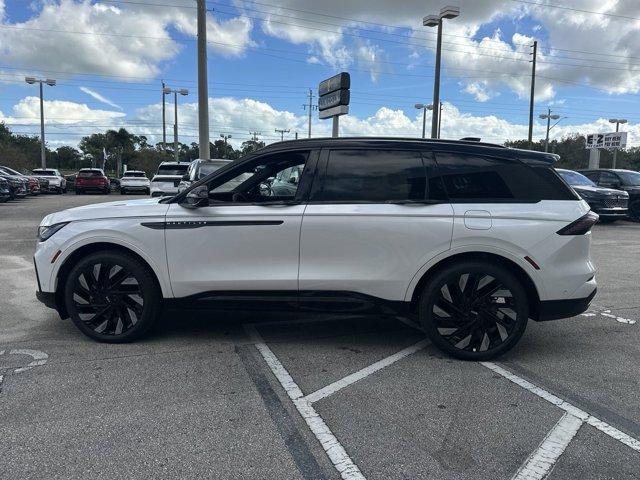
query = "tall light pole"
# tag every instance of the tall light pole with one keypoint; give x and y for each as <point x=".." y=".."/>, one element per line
<point x="51" y="83"/>
<point x="282" y="132"/>
<point x="617" y="121"/>
<point x="423" y="107"/>
<point x="436" y="21"/>
<point x="164" y="119"/>
<point x="203" y="89"/>
<point x="225" y="138"/>
<point x="183" y="92"/>
<point x="548" y="117"/>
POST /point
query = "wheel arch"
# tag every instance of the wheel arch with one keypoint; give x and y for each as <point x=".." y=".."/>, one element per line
<point x="87" y="249"/>
<point x="529" y="285"/>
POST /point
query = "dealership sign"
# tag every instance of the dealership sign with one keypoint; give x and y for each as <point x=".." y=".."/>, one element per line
<point x="607" y="140"/>
<point x="334" y="96"/>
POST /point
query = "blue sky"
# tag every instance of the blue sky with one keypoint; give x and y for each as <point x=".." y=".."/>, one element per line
<point x="109" y="58"/>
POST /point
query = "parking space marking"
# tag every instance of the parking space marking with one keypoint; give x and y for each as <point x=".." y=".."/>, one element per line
<point x="585" y="417"/>
<point x="608" y="314"/>
<point x="333" y="448"/>
<point x="365" y="372"/>
<point x="541" y="462"/>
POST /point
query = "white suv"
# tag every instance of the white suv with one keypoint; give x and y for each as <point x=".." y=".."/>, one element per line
<point x="134" y="181"/>
<point x="471" y="239"/>
<point x="167" y="178"/>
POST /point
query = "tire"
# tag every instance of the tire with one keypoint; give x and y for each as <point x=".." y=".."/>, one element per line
<point x="465" y="320"/>
<point x="123" y="191"/>
<point x="148" y="191"/>
<point x="117" y="308"/>
<point x="78" y="192"/>
<point x="634" y="210"/>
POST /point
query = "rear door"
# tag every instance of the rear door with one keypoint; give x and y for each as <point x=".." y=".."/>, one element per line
<point x="372" y="221"/>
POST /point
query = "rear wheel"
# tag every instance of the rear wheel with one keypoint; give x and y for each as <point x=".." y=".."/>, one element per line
<point x="123" y="191"/>
<point x="474" y="310"/>
<point x="78" y="192"/>
<point x="112" y="297"/>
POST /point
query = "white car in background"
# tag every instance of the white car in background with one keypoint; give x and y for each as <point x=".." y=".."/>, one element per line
<point x="135" y="181"/>
<point x="57" y="182"/>
<point x="199" y="169"/>
<point x="166" y="180"/>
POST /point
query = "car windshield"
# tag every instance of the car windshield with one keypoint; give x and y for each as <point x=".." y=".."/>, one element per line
<point x="89" y="173"/>
<point x="575" y="178"/>
<point x="172" y="169"/>
<point x="10" y="171"/>
<point x="134" y="174"/>
<point x="629" y="178"/>
<point x="45" y="172"/>
<point x="209" y="167"/>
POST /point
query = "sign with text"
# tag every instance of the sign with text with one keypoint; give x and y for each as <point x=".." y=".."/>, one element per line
<point x="334" y="99"/>
<point x="607" y="140"/>
<point x="342" y="81"/>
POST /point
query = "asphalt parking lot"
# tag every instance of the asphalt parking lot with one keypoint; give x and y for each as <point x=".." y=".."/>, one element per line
<point x="284" y="396"/>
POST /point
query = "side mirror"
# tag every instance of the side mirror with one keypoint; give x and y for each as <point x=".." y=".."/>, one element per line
<point x="197" y="198"/>
<point x="185" y="176"/>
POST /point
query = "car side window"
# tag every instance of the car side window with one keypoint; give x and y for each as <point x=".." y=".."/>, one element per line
<point x="373" y="176"/>
<point x="593" y="176"/>
<point x="470" y="178"/>
<point x="270" y="178"/>
<point x="608" y="179"/>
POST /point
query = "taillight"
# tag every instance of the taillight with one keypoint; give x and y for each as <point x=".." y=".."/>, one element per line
<point x="581" y="225"/>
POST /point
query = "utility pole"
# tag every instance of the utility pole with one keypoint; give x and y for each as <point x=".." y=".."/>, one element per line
<point x="533" y="91"/>
<point x="282" y="132"/>
<point x="310" y="107"/>
<point x="225" y="138"/>
<point x="439" y="119"/>
<point x="296" y="135"/>
<point x="548" y="117"/>
<point x="255" y="135"/>
<point x="203" y="89"/>
<point x="43" y="150"/>
<point x="164" y="119"/>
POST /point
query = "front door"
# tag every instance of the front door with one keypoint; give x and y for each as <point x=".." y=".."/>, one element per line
<point x="247" y="239"/>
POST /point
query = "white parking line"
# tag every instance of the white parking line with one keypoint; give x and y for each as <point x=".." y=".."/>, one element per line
<point x="608" y="314"/>
<point x="334" y="450"/>
<point x="595" y="422"/>
<point x="365" y="372"/>
<point x="541" y="462"/>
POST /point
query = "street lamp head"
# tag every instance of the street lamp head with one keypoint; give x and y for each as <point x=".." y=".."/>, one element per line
<point x="30" y="80"/>
<point x="543" y="116"/>
<point x="420" y="106"/>
<point x="430" y="106"/>
<point x="183" y="91"/>
<point x="554" y="117"/>
<point x="617" y="120"/>
<point x="622" y="120"/>
<point x="51" y="82"/>
<point x="449" y="12"/>
<point x="431" y="21"/>
<point x="166" y="91"/>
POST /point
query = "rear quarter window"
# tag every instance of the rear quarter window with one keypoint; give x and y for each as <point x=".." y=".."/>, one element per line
<point x="471" y="178"/>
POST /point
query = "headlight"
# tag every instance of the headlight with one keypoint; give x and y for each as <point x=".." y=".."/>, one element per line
<point x="45" y="233"/>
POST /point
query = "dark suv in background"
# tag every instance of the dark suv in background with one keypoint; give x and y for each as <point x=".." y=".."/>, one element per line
<point x="626" y="180"/>
<point x="609" y="203"/>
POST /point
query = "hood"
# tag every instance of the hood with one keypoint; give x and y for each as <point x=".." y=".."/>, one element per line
<point x="598" y="191"/>
<point x="141" y="208"/>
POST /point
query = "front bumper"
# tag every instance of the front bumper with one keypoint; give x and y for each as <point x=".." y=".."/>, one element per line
<point x="557" y="309"/>
<point x="47" y="298"/>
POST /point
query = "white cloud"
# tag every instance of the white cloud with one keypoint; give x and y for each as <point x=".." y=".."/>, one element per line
<point x="99" y="97"/>
<point x="27" y="111"/>
<point x="479" y="91"/>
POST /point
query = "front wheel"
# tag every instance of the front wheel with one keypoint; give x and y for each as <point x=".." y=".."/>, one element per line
<point x="112" y="297"/>
<point x="474" y="310"/>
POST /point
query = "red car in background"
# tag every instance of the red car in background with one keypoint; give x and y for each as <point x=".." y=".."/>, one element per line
<point x="33" y="182"/>
<point x="92" y="179"/>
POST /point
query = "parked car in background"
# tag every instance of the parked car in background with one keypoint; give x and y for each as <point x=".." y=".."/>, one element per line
<point x="33" y="185"/>
<point x="167" y="178"/>
<point x="92" y="180"/>
<point x="609" y="203"/>
<point x="470" y="239"/>
<point x="18" y="185"/>
<point x="199" y="169"/>
<point x="5" y="193"/>
<point x="620" y="179"/>
<point x="57" y="182"/>
<point x="135" y="181"/>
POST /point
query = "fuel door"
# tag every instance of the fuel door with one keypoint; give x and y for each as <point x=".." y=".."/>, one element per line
<point x="477" y="219"/>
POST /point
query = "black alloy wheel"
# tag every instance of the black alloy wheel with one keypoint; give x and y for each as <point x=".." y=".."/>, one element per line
<point x="474" y="310"/>
<point x="112" y="297"/>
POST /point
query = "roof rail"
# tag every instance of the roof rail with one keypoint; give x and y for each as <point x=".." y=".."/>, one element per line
<point x="471" y="139"/>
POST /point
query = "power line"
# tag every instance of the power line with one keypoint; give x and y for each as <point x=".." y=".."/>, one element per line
<point x="562" y="7"/>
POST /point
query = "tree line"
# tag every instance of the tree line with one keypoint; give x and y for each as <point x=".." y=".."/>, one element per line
<point x="22" y="152"/>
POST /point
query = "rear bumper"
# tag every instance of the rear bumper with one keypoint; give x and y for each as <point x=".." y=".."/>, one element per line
<point x="557" y="309"/>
